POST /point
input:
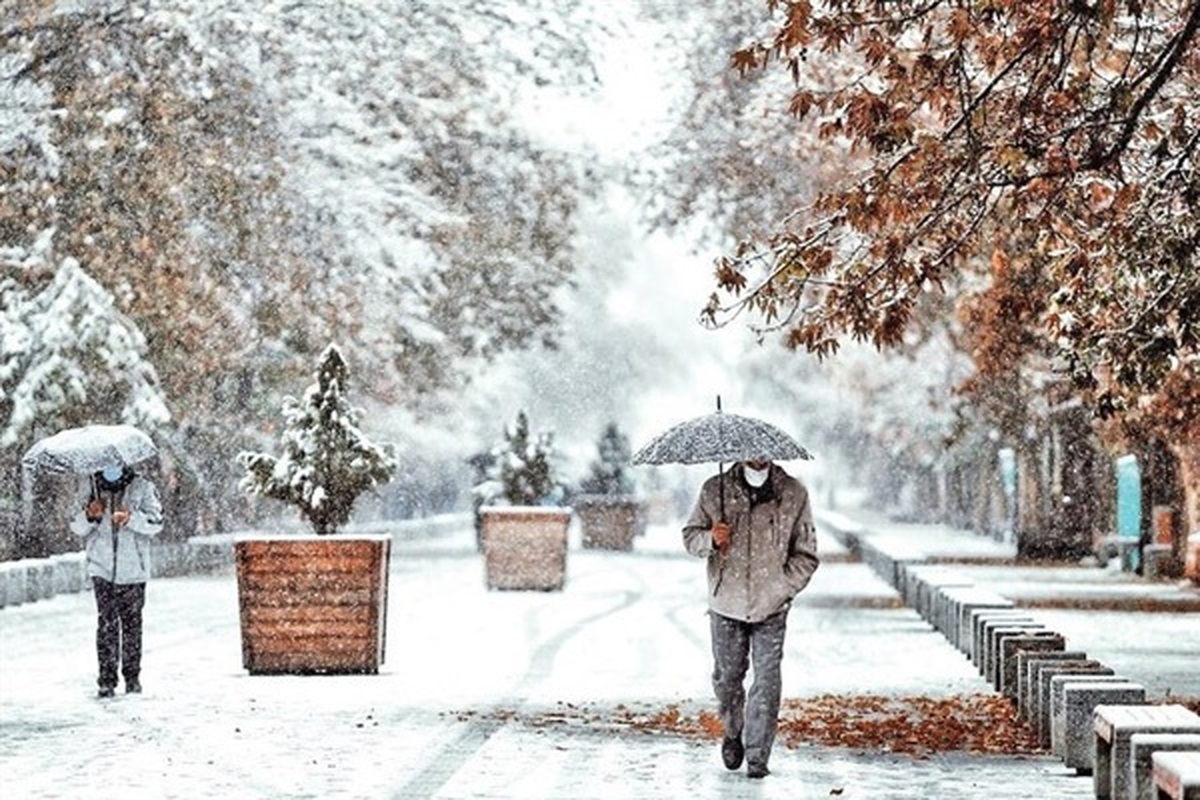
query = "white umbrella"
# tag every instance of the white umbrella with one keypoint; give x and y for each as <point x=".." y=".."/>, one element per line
<point x="88" y="449"/>
<point x="82" y="451"/>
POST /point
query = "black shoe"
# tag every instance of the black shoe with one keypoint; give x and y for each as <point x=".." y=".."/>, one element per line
<point x="732" y="752"/>
<point x="106" y="691"/>
<point x="133" y="687"/>
<point x="756" y="770"/>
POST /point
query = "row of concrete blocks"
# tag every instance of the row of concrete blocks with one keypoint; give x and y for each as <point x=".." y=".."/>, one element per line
<point x="1095" y="720"/>
<point x="31" y="579"/>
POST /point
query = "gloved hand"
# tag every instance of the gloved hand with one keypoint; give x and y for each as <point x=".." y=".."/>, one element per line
<point x="94" y="510"/>
<point x="120" y="516"/>
<point x="721" y="532"/>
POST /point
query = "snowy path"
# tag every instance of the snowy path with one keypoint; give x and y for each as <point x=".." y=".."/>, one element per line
<point x="627" y="629"/>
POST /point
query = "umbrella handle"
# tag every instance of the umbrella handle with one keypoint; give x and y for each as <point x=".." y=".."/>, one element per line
<point x="721" y="481"/>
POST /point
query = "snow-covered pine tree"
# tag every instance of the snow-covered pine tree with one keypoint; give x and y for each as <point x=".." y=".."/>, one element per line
<point x="610" y="471"/>
<point x="70" y="357"/>
<point x="522" y="469"/>
<point x="327" y="461"/>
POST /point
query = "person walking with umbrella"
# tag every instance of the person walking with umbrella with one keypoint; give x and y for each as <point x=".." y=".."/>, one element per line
<point x="753" y="524"/>
<point x="117" y="511"/>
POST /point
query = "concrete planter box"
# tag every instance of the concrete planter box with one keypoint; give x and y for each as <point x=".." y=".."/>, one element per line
<point x="525" y="547"/>
<point x="312" y="604"/>
<point x="609" y="522"/>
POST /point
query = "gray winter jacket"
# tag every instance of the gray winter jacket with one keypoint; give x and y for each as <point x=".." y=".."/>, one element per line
<point x="119" y="554"/>
<point x="772" y="551"/>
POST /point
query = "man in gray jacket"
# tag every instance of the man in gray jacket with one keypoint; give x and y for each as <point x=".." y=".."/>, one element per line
<point x="754" y="525"/>
<point x="117" y="511"/>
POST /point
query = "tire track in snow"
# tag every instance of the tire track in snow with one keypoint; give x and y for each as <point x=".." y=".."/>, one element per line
<point x="455" y="755"/>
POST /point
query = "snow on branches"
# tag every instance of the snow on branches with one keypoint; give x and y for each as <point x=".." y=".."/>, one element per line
<point x="327" y="462"/>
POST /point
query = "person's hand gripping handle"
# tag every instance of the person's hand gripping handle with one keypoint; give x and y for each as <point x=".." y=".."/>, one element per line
<point x="721" y="532"/>
<point x="94" y="510"/>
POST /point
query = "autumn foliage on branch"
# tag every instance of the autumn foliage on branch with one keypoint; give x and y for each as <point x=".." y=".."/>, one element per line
<point x="1073" y="123"/>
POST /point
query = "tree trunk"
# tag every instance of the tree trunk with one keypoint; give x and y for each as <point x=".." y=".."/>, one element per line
<point x="1189" y="481"/>
<point x="1075" y="506"/>
<point x="1034" y="538"/>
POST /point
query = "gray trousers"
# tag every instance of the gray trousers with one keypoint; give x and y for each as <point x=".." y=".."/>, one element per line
<point x="735" y="645"/>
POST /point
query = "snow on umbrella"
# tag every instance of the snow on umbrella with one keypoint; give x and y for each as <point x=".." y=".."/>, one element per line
<point x="720" y="437"/>
<point x="89" y="449"/>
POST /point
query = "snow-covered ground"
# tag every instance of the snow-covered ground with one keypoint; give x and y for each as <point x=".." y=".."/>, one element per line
<point x="628" y="630"/>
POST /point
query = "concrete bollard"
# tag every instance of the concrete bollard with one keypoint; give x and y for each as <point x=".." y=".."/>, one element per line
<point x="1010" y="646"/>
<point x="1024" y="664"/>
<point x="1040" y="686"/>
<point x="16" y="577"/>
<point x="964" y="604"/>
<point x="39" y="580"/>
<point x="1058" y="703"/>
<point x="973" y="644"/>
<point x="1080" y="702"/>
<point x="991" y="652"/>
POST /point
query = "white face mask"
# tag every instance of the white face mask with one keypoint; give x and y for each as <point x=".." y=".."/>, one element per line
<point x="756" y="477"/>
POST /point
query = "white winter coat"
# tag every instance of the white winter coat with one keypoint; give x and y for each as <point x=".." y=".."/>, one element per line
<point x="119" y="554"/>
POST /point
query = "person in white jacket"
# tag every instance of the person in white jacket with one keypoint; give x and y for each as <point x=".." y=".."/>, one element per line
<point x="117" y="511"/>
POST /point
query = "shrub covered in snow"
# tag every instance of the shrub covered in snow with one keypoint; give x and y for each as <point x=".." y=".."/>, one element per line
<point x="327" y="462"/>
<point x="521" y="469"/>
<point x="609" y="473"/>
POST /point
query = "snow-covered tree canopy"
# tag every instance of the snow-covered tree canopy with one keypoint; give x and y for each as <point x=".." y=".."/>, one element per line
<point x="244" y="182"/>
<point x="247" y="179"/>
<point x="69" y="356"/>
<point x="327" y="462"/>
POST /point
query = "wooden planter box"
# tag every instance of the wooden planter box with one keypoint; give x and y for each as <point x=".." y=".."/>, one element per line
<point x="312" y="604"/>
<point x="525" y="547"/>
<point x="609" y="522"/>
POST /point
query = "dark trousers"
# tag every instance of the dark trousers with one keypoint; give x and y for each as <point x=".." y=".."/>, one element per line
<point x="735" y="646"/>
<point x="119" y="630"/>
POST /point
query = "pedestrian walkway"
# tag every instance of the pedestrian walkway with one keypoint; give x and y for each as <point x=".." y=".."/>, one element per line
<point x="487" y="694"/>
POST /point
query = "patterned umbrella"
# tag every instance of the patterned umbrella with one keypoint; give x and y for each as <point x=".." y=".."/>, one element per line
<point x="720" y="437"/>
<point x="88" y="449"/>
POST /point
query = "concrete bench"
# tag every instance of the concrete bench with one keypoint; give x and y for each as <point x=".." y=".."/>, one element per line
<point x="1037" y="641"/>
<point x="1176" y="775"/>
<point x="1025" y="661"/>
<point x="1073" y="710"/>
<point x="1142" y="746"/>
<point x="1039" y="718"/>
<point x="1114" y="725"/>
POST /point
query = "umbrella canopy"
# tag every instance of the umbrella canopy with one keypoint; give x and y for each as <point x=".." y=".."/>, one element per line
<point x="720" y="437"/>
<point x="88" y="449"/>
